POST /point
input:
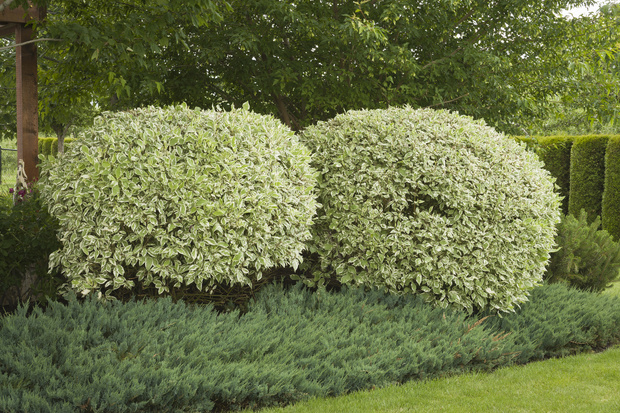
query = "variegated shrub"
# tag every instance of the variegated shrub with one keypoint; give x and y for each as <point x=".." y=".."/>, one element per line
<point x="179" y="197"/>
<point x="430" y="202"/>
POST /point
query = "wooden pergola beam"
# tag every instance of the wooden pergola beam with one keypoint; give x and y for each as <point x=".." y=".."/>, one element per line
<point x="7" y="30"/>
<point x="26" y="84"/>
<point x="19" y="15"/>
<point x="27" y="102"/>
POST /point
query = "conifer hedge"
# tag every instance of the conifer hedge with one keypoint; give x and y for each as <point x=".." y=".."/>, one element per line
<point x="162" y="356"/>
<point x="49" y="146"/>
<point x="45" y="146"/>
<point x="611" y="195"/>
<point x="555" y="151"/>
<point x="587" y="175"/>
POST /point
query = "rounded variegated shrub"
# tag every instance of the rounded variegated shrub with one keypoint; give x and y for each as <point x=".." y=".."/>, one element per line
<point x="178" y="197"/>
<point x="429" y="202"/>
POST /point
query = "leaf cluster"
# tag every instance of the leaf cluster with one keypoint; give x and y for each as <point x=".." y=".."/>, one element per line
<point x="309" y="60"/>
<point x="588" y="101"/>
<point x="104" y="55"/>
<point x="430" y="202"/>
<point x="27" y="237"/>
<point x="292" y="344"/>
<point x="124" y="38"/>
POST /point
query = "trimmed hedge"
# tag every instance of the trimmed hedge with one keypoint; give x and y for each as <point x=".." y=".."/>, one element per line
<point x="290" y="345"/>
<point x="68" y="145"/>
<point x="45" y="146"/>
<point x="49" y="146"/>
<point x="587" y="175"/>
<point x="555" y="152"/>
<point x="611" y="195"/>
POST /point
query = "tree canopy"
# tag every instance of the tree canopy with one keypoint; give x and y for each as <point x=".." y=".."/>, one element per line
<point x="307" y="60"/>
<point x="590" y="99"/>
<point x="108" y="52"/>
<point x="7" y="92"/>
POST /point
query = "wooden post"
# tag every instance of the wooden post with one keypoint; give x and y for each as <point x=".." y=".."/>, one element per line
<point x="27" y="102"/>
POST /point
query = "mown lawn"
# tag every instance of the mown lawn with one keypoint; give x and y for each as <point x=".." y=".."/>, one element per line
<point x="614" y="290"/>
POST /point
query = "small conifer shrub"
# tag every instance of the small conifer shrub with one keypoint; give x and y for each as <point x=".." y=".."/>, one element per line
<point x="587" y="258"/>
<point x="430" y="202"/>
<point x="291" y="344"/>
<point x="559" y="320"/>
<point x="178" y="197"/>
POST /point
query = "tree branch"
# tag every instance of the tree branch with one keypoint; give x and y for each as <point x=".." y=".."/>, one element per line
<point x="221" y="92"/>
<point x="458" y="49"/>
<point x="448" y="101"/>
<point x="465" y="17"/>
<point x="44" y="39"/>
<point x="434" y="62"/>
<point x="287" y="117"/>
<point x="51" y="59"/>
<point x="335" y="9"/>
<point x="5" y="4"/>
<point x="282" y="109"/>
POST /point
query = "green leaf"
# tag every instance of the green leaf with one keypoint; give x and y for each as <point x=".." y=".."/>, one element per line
<point x="148" y="262"/>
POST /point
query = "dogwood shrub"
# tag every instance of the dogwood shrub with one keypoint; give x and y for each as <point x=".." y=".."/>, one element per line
<point x="430" y="202"/>
<point x="176" y="197"/>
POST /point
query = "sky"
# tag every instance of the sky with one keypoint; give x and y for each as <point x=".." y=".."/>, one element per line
<point x="578" y="11"/>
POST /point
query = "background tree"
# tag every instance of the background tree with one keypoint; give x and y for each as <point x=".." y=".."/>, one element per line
<point x="63" y="106"/>
<point x="590" y="102"/>
<point x="306" y="60"/>
<point x="8" y="104"/>
<point x="107" y="53"/>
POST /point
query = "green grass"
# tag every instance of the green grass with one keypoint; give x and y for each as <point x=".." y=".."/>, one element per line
<point x="582" y="383"/>
<point x="614" y="290"/>
<point x="9" y="169"/>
